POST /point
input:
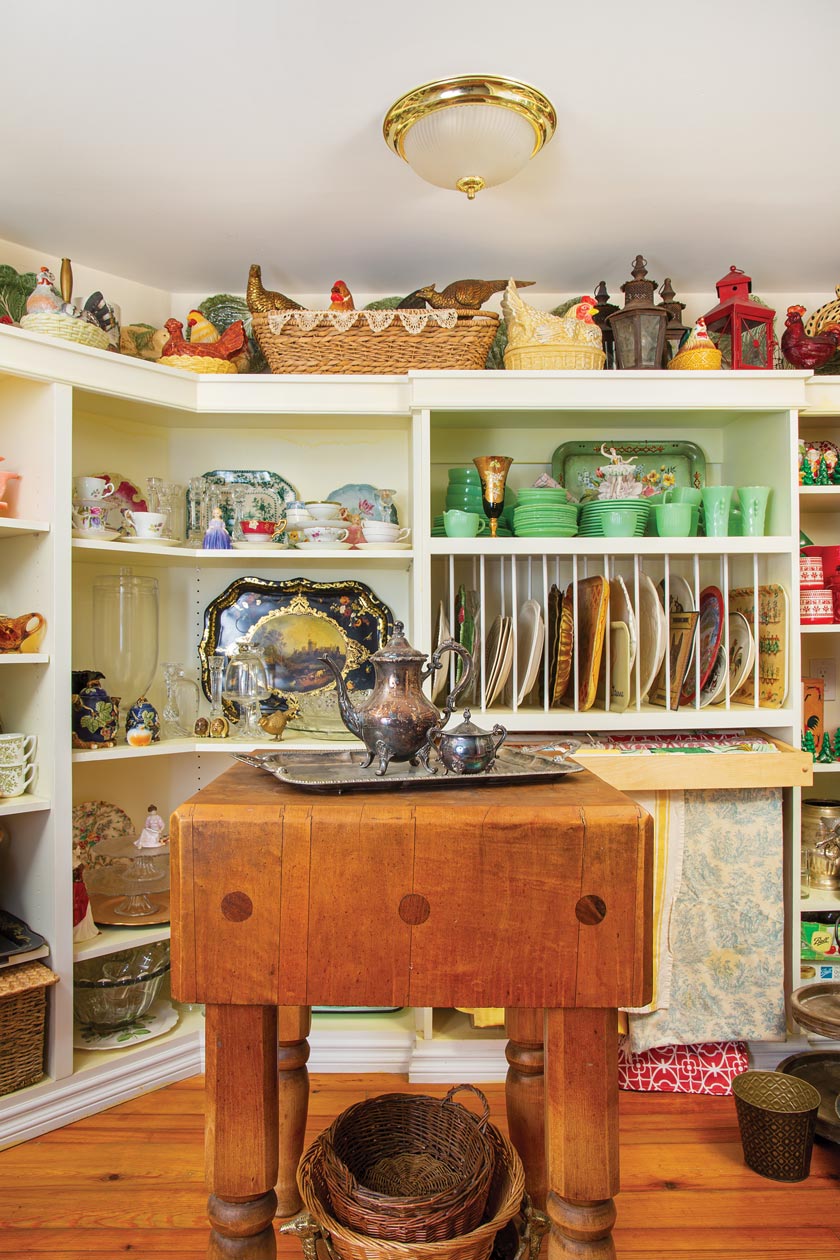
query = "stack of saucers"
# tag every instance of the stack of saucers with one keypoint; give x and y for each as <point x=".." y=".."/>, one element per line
<point x="464" y="494"/>
<point x="543" y="512"/>
<point x="616" y="518"/>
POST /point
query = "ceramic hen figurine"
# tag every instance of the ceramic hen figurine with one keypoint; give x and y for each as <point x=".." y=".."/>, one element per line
<point x="341" y="299"/>
<point x="803" y="351"/>
<point x="263" y="300"/>
<point x="464" y="295"/>
<point x="231" y="342"/>
<point x="695" y="337"/>
<point x="43" y="300"/>
<point x="204" y="333"/>
<point x="527" y="325"/>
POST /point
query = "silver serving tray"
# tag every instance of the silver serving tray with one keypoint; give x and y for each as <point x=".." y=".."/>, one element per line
<point x="340" y="770"/>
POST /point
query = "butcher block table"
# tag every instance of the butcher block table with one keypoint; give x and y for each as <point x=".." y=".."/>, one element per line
<point x="534" y="898"/>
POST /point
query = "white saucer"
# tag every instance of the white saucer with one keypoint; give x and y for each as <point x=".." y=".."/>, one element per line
<point x="387" y="546"/>
<point x="243" y="544"/>
<point x="160" y="1018"/>
<point x="316" y="546"/>
<point x="97" y="535"/>
<point x="153" y="542"/>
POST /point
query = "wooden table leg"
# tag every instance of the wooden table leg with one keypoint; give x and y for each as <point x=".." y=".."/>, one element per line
<point x="241" y="1130"/>
<point x="525" y="1095"/>
<point x="581" y="1094"/>
<point x="294" y="1023"/>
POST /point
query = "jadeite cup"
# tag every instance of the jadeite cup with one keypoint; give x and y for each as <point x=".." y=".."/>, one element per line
<point x="463" y="524"/>
<point x="717" y="501"/>
<point x="753" y="509"/>
<point x="618" y="523"/>
<point x="683" y="494"/>
<point x="674" y="520"/>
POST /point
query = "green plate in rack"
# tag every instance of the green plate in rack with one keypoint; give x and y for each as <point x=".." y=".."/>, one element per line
<point x="574" y="464"/>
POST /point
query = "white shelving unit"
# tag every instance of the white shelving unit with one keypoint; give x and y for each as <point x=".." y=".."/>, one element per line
<point x="70" y="410"/>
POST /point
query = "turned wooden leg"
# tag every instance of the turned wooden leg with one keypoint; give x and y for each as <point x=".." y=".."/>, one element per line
<point x="241" y="1130"/>
<point x="581" y="1096"/>
<point x="294" y="1023"/>
<point x="525" y="1095"/>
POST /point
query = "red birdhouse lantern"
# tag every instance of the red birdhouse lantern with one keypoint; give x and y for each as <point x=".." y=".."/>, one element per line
<point x="741" y="329"/>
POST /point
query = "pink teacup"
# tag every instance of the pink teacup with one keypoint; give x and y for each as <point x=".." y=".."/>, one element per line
<point x="325" y="535"/>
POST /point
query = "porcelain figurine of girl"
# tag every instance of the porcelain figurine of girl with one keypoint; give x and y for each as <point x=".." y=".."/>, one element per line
<point x="216" y="537"/>
<point x="153" y="828"/>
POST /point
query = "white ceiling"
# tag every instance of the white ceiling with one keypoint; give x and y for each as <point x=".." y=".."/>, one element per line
<point x="176" y="143"/>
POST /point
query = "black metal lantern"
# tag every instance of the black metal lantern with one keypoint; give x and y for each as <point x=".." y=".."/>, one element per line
<point x="601" y="318"/>
<point x="675" y="330"/>
<point x="639" y="328"/>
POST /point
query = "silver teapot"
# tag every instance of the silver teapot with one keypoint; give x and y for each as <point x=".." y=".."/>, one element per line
<point x="466" y="749"/>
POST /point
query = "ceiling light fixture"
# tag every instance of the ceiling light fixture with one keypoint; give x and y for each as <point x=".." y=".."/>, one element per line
<point x="468" y="149"/>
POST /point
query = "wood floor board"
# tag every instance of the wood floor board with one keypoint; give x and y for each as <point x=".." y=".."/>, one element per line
<point x="129" y="1182"/>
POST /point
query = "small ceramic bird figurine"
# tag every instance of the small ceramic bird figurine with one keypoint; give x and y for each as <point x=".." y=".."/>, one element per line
<point x="274" y="723"/>
<point x="43" y="300"/>
<point x="467" y="295"/>
<point x="341" y="299"/>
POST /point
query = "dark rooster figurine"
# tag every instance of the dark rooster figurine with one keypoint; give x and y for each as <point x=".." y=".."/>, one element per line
<point x="177" y="351"/>
<point x="803" y="351"/>
<point x="461" y="295"/>
<point x="263" y="300"/>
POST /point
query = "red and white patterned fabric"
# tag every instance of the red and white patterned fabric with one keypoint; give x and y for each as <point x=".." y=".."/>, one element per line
<point x="707" y="1068"/>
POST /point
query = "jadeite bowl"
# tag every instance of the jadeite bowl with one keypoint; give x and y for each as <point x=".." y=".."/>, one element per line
<point x="619" y="522"/>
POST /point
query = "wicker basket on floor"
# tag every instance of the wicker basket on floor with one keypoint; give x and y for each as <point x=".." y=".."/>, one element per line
<point x="68" y="328"/>
<point x="507" y="1190"/>
<point x="375" y="342"/>
<point x="409" y="1167"/>
<point x="23" y="1019"/>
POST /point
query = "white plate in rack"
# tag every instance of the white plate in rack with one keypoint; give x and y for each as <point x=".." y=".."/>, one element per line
<point x="496" y="685"/>
<point x="741" y="650"/>
<point x="653" y="630"/>
<point x="530" y="628"/>
<point x="621" y="609"/>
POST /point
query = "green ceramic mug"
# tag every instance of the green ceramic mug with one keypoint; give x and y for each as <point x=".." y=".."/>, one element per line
<point x="717" y="501"/>
<point x="683" y="494"/>
<point x="463" y="524"/>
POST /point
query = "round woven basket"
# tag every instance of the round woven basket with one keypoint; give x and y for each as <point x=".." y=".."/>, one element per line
<point x="199" y="363"/>
<point x="535" y="357"/>
<point x="409" y="1167"/>
<point x="507" y="1190"/>
<point x="68" y="328"/>
<point x="699" y="359"/>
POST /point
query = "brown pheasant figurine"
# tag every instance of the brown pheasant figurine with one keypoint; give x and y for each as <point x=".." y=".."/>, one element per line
<point x="464" y="295"/>
<point x="262" y="300"/>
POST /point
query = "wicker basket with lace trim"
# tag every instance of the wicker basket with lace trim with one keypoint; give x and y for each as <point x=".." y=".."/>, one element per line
<point x="375" y="342"/>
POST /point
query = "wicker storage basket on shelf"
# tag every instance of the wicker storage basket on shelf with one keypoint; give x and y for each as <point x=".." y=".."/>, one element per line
<point x="553" y="357"/>
<point x="375" y="342"/>
<point x="507" y="1190"/>
<point x="409" y="1167"/>
<point x="23" y="1019"/>
<point x="68" y="328"/>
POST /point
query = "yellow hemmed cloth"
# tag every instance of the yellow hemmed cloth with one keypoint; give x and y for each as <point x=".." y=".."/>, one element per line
<point x="668" y="813"/>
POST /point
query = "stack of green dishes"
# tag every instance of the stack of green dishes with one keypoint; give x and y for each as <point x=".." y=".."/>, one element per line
<point x="543" y="512"/>
<point x="634" y="513"/>
<point x="464" y="494"/>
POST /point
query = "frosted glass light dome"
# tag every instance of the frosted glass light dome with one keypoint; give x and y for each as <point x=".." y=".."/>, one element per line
<point x="469" y="133"/>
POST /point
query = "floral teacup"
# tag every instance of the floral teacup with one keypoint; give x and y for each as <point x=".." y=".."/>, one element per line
<point x="325" y="535"/>
<point x="15" y="748"/>
<point x="91" y="518"/>
<point x="92" y="487"/>
<point x="146" y="524"/>
<point x="15" y="779"/>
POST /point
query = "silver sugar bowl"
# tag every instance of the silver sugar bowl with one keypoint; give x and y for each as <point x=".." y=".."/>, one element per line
<point x="466" y="749"/>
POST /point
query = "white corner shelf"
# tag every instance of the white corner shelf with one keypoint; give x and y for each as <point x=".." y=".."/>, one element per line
<point x="180" y="747"/>
<point x="834" y="628"/>
<point x="13" y="526"/>
<point x="24" y="658"/>
<point x="25" y="804"/>
<point x="111" y="939"/>
<point x="491" y="547"/>
<point x="239" y="557"/>
<point x="819" y="499"/>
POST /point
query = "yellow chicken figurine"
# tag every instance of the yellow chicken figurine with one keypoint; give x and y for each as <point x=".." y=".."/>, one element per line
<point x="202" y="332"/>
<point x="538" y="339"/>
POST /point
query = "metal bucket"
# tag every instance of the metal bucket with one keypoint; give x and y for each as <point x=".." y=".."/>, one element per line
<point x="821" y="836"/>
<point x="777" y="1116"/>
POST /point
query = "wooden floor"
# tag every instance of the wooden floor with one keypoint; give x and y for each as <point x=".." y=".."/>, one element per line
<point x="129" y="1182"/>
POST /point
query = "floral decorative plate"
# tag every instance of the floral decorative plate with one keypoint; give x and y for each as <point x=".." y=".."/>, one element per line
<point x="358" y="499"/>
<point x="293" y="622"/>
<point x="593" y="602"/>
<point x="773" y="632"/>
<point x="658" y="464"/>
<point x="160" y="1018"/>
<point x="709" y="635"/>
<point x="252" y="480"/>
<point x="126" y="495"/>
<point x="94" y="821"/>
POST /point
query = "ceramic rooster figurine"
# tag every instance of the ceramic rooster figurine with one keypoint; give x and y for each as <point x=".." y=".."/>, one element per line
<point x="204" y="333"/>
<point x="464" y="295"/>
<point x="341" y="299"/>
<point x="264" y="300"/>
<point x="232" y="341"/>
<point x="43" y="300"/>
<point x="696" y="336"/>
<point x="803" y="351"/>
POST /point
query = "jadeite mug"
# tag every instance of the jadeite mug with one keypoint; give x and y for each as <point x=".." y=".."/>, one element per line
<point x="674" y="520"/>
<point x="717" y="501"/>
<point x="15" y="779"/>
<point x="753" y="509"/>
<point x="463" y="524"/>
<point x="15" y="747"/>
<point x="683" y="494"/>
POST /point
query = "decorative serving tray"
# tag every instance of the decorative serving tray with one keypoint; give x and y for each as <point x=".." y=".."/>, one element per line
<point x="340" y="770"/>
<point x="574" y="464"/>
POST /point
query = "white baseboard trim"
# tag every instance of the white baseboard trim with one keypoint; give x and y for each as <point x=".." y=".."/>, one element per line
<point x="440" y="1062"/>
<point x="767" y="1055"/>
<point x="60" y="1102"/>
<point x="360" y="1052"/>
